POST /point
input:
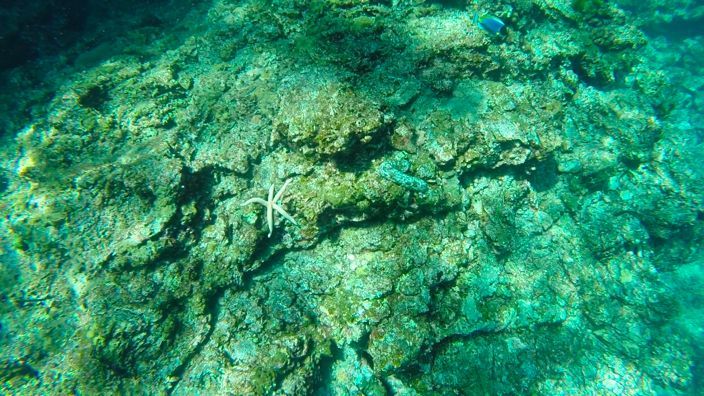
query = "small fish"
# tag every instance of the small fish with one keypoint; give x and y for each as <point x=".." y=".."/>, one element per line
<point x="491" y="24"/>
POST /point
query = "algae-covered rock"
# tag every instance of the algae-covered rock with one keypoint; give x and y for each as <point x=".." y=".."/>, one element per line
<point x="327" y="118"/>
<point x="396" y="343"/>
<point x="470" y="212"/>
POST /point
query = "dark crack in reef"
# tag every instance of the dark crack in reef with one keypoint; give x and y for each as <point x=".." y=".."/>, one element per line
<point x="476" y="212"/>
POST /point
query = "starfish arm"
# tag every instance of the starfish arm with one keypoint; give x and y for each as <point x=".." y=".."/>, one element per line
<point x="270" y="198"/>
<point x="281" y="191"/>
<point x="283" y="213"/>
<point x="270" y="211"/>
<point x="254" y="200"/>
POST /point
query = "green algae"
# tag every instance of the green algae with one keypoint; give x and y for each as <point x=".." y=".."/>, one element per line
<point x="477" y="215"/>
<point x="589" y="7"/>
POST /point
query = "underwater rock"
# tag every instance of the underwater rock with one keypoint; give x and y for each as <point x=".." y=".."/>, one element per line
<point x="328" y="119"/>
<point x="499" y="137"/>
<point x="476" y="214"/>
<point x="396" y="343"/>
<point x="619" y="38"/>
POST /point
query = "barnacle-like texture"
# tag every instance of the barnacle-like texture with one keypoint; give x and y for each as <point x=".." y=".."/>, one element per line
<point x="327" y="119"/>
<point x="474" y="213"/>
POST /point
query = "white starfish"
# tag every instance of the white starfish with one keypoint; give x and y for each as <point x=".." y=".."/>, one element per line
<point x="271" y="206"/>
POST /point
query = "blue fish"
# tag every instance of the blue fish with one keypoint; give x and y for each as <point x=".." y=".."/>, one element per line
<point x="491" y="24"/>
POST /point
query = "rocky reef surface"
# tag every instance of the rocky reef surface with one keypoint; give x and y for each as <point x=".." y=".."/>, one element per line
<point x="475" y="213"/>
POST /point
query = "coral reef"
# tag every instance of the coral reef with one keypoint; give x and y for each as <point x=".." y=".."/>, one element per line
<point x="512" y="213"/>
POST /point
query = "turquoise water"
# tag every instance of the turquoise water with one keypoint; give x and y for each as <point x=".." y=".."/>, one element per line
<point x="352" y="197"/>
